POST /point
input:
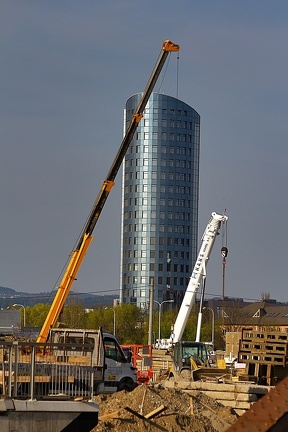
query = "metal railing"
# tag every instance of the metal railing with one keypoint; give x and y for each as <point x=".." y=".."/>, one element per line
<point x="44" y="371"/>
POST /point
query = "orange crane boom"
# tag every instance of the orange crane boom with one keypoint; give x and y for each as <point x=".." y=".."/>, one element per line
<point x="86" y="237"/>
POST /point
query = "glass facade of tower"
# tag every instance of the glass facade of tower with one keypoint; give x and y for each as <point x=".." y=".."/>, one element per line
<point x="160" y="201"/>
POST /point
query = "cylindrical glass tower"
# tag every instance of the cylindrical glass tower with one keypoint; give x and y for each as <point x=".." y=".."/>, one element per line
<point x="160" y="201"/>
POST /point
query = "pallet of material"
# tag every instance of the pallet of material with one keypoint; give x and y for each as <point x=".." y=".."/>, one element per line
<point x="256" y="335"/>
<point x="261" y="358"/>
<point x="268" y="347"/>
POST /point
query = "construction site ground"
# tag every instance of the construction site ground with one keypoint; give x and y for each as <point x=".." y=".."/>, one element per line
<point x="166" y="405"/>
<point x="156" y="408"/>
<point x="152" y="408"/>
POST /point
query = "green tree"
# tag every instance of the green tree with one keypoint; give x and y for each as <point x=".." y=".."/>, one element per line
<point x="36" y="315"/>
<point x="129" y="324"/>
<point x="73" y="316"/>
<point x="95" y="318"/>
<point x="168" y="318"/>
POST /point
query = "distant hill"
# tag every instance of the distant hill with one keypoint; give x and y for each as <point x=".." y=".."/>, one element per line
<point x="9" y="296"/>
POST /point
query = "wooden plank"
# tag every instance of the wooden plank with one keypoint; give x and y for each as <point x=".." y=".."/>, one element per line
<point x="45" y="378"/>
<point x="191" y="405"/>
<point x="81" y="360"/>
<point x="155" y="412"/>
<point x="27" y="378"/>
<point x="112" y="415"/>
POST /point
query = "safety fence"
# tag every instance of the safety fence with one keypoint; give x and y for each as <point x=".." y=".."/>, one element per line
<point x="43" y="371"/>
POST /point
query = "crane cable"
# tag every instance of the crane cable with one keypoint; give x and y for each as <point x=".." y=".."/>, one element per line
<point x="224" y="253"/>
<point x="224" y="249"/>
<point x="177" y="75"/>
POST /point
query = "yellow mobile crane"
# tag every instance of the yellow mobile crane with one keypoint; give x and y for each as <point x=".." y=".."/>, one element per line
<point x="86" y="237"/>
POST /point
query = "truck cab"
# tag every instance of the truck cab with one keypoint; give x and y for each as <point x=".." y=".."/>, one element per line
<point x="119" y="374"/>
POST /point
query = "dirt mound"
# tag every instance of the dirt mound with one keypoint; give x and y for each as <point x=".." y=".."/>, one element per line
<point x="164" y="409"/>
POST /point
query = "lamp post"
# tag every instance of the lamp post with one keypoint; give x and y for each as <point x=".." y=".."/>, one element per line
<point x="160" y="307"/>
<point x="24" y="312"/>
<point x="114" y="319"/>
<point x="213" y="323"/>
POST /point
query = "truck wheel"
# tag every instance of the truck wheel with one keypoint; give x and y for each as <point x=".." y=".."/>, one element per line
<point x="127" y="385"/>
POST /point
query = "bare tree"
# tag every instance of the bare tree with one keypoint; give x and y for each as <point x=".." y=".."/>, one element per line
<point x="234" y="316"/>
<point x="265" y="296"/>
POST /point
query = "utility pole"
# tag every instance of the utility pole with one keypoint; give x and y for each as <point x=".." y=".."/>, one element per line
<point x="151" y="303"/>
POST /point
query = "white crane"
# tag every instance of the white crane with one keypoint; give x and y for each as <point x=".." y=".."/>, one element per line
<point x="197" y="277"/>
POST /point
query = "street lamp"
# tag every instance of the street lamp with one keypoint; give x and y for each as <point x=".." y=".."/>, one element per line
<point x="160" y="307"/>
<point x="213" y="323"/>
<point x="24" y="312"/>
<point x="114" y="319"/>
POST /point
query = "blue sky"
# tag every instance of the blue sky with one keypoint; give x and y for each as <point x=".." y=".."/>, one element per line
<point x="67" y="69"/>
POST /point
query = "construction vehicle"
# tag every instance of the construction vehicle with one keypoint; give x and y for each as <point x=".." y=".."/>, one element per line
<point x="187" y="357"/>
<point x="191" y="358"/>
<point x="141" y="358"/>
<point x="118" y="373"/>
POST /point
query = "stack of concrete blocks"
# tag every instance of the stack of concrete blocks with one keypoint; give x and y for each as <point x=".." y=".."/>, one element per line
<point x="238" y="396"/>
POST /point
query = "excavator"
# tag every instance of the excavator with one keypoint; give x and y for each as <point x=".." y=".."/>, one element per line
<point x="86" y="237"/>
<point x="190" y="359"/>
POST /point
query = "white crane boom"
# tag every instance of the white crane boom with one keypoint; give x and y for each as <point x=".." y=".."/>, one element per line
<point x="198" y="274"/>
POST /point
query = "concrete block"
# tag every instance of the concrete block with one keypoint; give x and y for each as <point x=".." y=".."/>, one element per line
<point x="236" y="404"/>
<point x="239" y="411"/>
<point x="55" y="406"/>
<point x="3" y="406"/>
<point x="169" y="384"/>
<point x="182" y="385"/>
<point x="230" y="396"/>
<point x="6" y="404"/>
<point x="233" y="387"/>
<point x="252" y="388"/>
<point x="49" y="416"/>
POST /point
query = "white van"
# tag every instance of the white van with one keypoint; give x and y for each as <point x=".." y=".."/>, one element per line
<point x="162" y="344"/>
